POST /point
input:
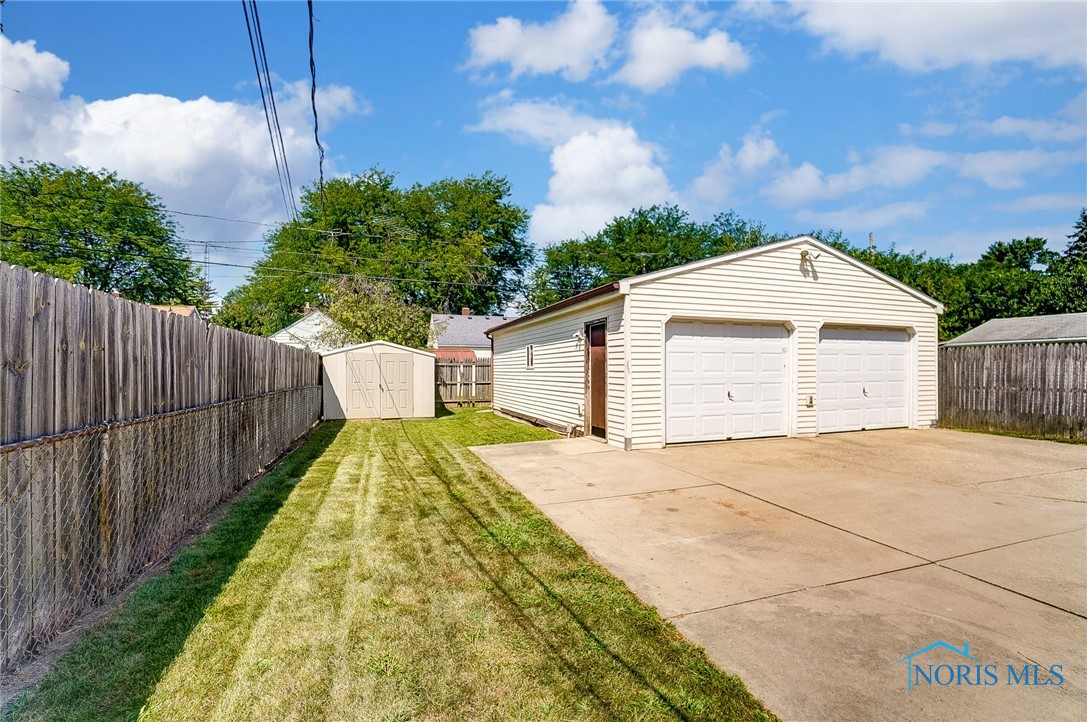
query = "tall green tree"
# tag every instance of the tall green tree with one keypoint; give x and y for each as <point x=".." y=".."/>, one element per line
<point x="97" y="230"/>
<point x="365" y="311"/>
<point x="644" y="240"/>
<point x="440" y="246"/>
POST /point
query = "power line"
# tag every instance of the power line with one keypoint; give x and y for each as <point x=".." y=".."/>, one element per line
<point x="313" y="104"/>
<point x="257" y="269"/>
<point x="74" y="111"/>
<point x="284" y="183"/>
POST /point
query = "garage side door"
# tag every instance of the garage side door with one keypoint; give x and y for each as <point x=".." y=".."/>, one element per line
<point x="725" y="381"/>
<point x="863" y="379"/>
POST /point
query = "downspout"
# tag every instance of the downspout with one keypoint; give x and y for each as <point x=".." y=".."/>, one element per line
<point x="628" y="387"/>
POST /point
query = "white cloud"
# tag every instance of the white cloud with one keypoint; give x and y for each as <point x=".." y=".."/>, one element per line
<point x="1007" y="168"/>
<point x="574" y="43"/>
<point x="201" y="155"/>
<point x="542" y="122"/>
<point x="661" y="47"/>
<point x="857" y="219"/>
<point x="758" y="153"/>
<point x="1047" y="202"/>
<point x="924" y="36"/>
<point x="890" y="167"/>
<point x="929" y="130"/>
<point x="1034" y="129"/>
<point x="598" y="175"/>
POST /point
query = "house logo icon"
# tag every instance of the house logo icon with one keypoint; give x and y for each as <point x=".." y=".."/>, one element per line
<point x="908" y="659"/>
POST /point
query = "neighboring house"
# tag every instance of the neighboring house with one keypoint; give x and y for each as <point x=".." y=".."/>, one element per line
<point x="792" y="338"/>
<point x="1059" y="328"/>
<point x="1023" y="375"/>
<point x="185" y="311"/>
<point x="309" y="332"/>
<point x="462" y="337"/>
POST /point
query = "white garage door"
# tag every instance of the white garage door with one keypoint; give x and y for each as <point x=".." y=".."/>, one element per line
<point x="725" y="381"/>
<point x="863" y="379"/>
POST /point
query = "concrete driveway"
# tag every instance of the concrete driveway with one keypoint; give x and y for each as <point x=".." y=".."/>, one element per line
<point x="810" y="567"/>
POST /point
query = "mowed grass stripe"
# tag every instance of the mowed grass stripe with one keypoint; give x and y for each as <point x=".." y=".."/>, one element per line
<point x="402" y="580"/>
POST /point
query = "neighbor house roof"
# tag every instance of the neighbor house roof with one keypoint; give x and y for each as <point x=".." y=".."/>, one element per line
<point x="309" y="332"/>
<point x="622" y="286"/>
<point x="450" y="330"/>
<point x="1026" y="329"/>
<point x="176" y="310"/>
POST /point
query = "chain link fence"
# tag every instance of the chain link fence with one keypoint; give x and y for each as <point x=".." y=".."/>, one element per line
<point x="83" y="513"/>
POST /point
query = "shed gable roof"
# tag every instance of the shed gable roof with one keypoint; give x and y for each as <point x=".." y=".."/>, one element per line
<point x="1026" y="329"/>
<point x="370" y="344"/>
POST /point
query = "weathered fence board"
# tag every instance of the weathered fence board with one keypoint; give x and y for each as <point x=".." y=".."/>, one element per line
<point x="121" y="426"/>
<point x="1035" y="388"/>
<point x="463" y="382"/>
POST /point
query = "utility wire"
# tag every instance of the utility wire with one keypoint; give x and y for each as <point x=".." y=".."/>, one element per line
<point x="255" y="268"/>
<point x="313" y="104"/>
<point x="272" y="105"/>
<point x="284" y="192"/>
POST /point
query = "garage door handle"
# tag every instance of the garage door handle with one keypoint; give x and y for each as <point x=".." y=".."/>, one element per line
<point x="864" y="391"/>
<point x="730" y="396"/>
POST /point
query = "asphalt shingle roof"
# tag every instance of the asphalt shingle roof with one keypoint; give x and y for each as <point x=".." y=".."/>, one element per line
<point x="457" y="331"/>
<point x="1063" y="327"/>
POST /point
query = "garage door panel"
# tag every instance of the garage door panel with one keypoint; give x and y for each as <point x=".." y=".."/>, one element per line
<point x="863" y="379"/>
<point x="682" y="363"/>
<point x="713" y="362"/>
<point x="743" y="362"/>
<point x="747" y="360"/>
<point x="681" y="395"/>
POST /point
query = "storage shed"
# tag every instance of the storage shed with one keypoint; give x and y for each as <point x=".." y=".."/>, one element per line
<point x="378" y="380"/>
<point x="791" y="338"/>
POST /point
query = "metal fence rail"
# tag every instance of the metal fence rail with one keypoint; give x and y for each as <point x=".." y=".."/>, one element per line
<point x="464" y="382"/>
<point x="121" y="427"/>
<point x="1037" y="388"/>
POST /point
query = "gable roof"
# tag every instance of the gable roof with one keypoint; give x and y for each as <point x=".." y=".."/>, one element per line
<point x="777" y="245"/>
<point x="369" y="344"/>
<point x="450" y="330"/>
<point x="1026" y="329"/>
<point x="307" y="332"/>
<point x="624" y="285"/>
<point x="175" y="309"/>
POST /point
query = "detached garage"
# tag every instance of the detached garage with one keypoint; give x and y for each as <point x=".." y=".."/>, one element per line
<point x="378" y="380"/>
<point x="787" y="339"/>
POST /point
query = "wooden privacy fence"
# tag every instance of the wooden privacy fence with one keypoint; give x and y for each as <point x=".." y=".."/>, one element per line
<point x="1033" y="388"/>
<point x="121" y="427"/>
<point x="463" y="382"/>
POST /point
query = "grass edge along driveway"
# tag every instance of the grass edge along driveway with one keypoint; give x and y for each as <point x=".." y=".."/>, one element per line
<point x="382" y="572"/>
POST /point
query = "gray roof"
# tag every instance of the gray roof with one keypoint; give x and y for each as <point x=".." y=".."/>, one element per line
<point x="457" y="331"/>
<point x="1061" y="327"/>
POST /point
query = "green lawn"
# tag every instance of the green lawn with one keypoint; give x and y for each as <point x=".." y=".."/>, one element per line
<point x="383" y="572"/>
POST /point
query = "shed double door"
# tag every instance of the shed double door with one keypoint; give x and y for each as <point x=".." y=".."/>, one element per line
<point x="725" y="381"/>
<point x="380" y="385"/>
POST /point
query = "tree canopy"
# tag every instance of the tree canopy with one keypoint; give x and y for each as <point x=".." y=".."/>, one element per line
<point x="1017" y="277"/>
<point x="97" y="230"/>
<point x="440" y="246"/>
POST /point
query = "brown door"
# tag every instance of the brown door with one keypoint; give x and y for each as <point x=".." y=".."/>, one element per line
<point x="598" y="380"/>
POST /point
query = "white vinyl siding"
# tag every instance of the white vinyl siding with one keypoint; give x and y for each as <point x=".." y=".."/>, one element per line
<point x="553" y="390"/>
<point x="772" y="286"/>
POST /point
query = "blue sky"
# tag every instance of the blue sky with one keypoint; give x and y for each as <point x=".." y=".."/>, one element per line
<point x="938" y="126"/>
